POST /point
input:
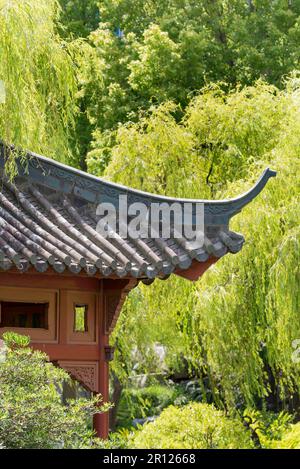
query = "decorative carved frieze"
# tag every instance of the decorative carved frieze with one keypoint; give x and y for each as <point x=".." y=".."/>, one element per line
<point x="84" y="372"/>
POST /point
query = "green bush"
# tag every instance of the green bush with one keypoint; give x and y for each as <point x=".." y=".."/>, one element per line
<point x="290" y="439"/>
<point x="194" y="426"/>
<point x="267" y="427"/>
<point x="32" y="414"/>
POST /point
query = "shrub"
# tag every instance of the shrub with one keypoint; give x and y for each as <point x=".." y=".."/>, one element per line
<point x="290" y="439"/>
<point x="32" y="414"/>
<point x="267" y="428"/>
<point x="194" y="426"/>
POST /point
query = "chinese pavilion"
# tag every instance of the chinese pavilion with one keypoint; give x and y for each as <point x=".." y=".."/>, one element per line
<point x="63" y="284"/>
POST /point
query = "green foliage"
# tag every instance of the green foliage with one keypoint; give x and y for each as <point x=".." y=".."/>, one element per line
<point x="195" y="426"/>
<point x="267" y="428"/>
<point x="229" y="131"/>
<point x="290" y="439"/>
<point x="117" y="99"/>
<point x="219" y="135"/>
<point x="168" y="50"/>
<point x="38" y="77"/>
<point x="273" y="431"/>
<point x="78" y="18"/>
<point x="119" y="439"/>
<point x="160" y="321"/>
<point x="145" y="402"/>
<point x="155" y="72"/>
<point x="236" y="326"/>
<point x="265" y="41"/>
<point x="32" y="414"/>
<point x="89" y="78"/>
<point x="231" y="40"/>
<point x="173" y="168"/>
<point x="255" y="297"/>
<point x="152" y="52"/>
<point x="16" y="341"/>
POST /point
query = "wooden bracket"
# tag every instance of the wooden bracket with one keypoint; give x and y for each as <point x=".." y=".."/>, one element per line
<point x="86" y="373"/>
<point x="113" y="301"/>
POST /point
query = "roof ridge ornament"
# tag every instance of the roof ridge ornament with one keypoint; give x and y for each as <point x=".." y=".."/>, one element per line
<point x="45" y="169"/>
<point x="62" y="230"/>
<point x="244" y="199"/>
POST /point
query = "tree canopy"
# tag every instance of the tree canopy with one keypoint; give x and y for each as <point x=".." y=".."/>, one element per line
<point x="242" y="315"/>
<point x="38" y="79"/>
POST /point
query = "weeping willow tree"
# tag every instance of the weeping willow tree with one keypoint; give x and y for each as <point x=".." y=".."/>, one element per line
<point x="37" y="79"/>
<point x="236" y="326"/>
<point x="246" y="314"/>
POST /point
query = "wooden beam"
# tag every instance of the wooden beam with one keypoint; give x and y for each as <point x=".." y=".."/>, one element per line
<point x="38" y="280"/>
<point x="197" y="269"/>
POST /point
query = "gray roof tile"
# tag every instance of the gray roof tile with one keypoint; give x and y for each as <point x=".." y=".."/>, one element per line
<point x="48" y="220"/>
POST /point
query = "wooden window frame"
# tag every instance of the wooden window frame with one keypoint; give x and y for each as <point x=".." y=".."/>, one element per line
<point x="34" y="295"/>
<point x="85" y="319"/>
<point x="91" y="300"/>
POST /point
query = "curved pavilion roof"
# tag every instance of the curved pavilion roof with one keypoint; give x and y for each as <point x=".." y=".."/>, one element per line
<point x="48" y="221"/>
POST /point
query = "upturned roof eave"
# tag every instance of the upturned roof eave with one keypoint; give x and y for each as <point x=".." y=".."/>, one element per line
<point x="48" y="172"/>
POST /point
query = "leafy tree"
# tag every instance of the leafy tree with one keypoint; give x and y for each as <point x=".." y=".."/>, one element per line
<point x="229" y="131"/>
<point x="156" y="71"/>
<point x="236" y="326"/>
<point x="170" y="49"/>
<point x="157" y="134"/>
<point x="268" y="428"/>
<point x="218" y="136"/>
<point x="150" y="52"/>
<point x="114" y="55"/>
<point x="39" y="87"/>
<point x="265" y="41"/>
<point x="32" y="414"/>
<point x="135" y="94"/>
<point x="78" y="19"/>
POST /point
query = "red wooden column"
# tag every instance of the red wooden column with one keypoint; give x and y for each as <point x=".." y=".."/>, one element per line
<point x="113" y="295"/>
<point x="101" y="421"/>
